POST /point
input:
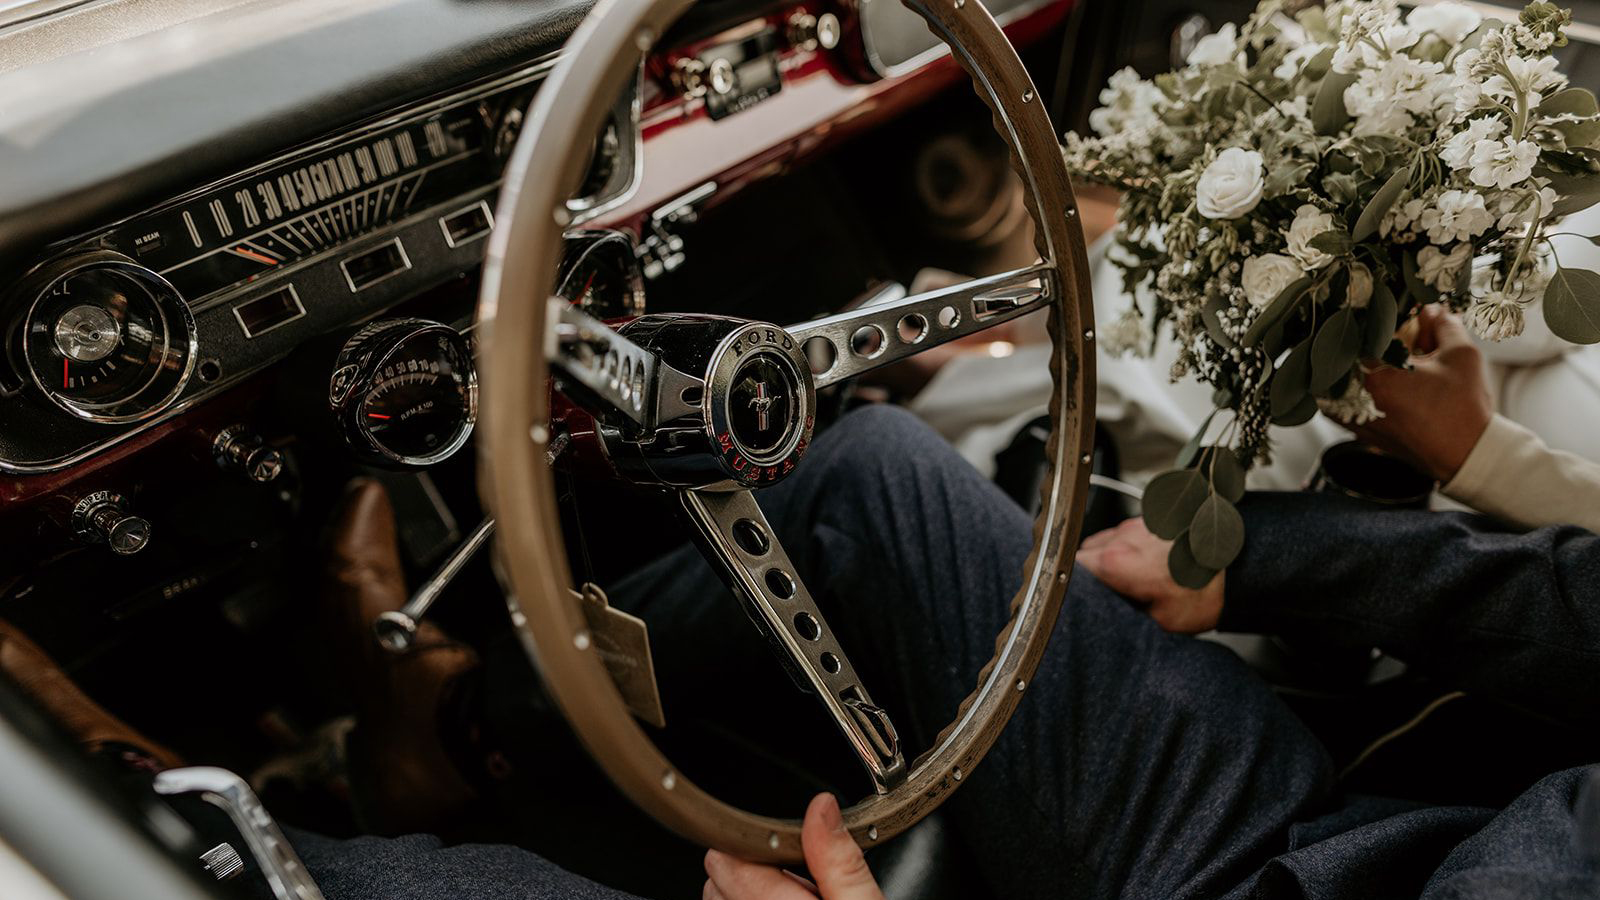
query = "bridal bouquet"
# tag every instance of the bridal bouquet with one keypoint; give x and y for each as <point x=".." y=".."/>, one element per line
<point x="1302" y="186"/>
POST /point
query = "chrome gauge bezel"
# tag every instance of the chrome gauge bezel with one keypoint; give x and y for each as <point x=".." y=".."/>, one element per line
<point x="355" y="373"/>
<point x="181" y="338"/>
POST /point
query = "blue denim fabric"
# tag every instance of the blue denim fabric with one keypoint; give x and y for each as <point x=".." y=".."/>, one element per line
<point x="1139" y="765"/>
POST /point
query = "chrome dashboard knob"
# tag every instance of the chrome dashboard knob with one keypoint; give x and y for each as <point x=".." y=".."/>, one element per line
<point x="103" y="517"/>
<point x="239" y="449"/>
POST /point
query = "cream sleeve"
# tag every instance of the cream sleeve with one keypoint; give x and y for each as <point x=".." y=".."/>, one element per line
<point x="1512" y="475"/>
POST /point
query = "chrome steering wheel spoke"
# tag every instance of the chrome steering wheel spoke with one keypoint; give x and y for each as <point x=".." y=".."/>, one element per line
<point x="745" y="551"/>
<point x="623" y="377"/>
<point x="861" y="340"/>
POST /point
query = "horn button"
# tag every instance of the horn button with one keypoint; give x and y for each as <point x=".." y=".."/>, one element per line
<point x="759" y="405"/>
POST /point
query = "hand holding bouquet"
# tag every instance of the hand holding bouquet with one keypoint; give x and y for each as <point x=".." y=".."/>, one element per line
<point x="1303" y="186"/>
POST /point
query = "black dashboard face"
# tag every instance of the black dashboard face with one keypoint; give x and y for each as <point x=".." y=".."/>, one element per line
<point x="276" y="217"/>
<point x="254" y="266"/>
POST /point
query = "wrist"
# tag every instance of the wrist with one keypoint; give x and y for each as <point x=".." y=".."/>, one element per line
<point x="1445" y="465"/>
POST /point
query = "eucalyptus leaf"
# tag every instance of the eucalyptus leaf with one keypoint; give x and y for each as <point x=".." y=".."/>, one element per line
<point x="1185" y="569"/>
<point x="1328" y="113"/>
<point x="1579" y="134"/>
<point x="1211" y="315"/>
<point x="1275" y="311"/>
<point x="1577" y="192"/>
<point x="1573" y="101"/>
<point x="1171" y="499"/>
<point x="1334" y="350"/>
<point x="1292" y="383"/>
<point x="1572" y="305"/>
<point x="1217" y="535"/>
<point x="1382" y="311"/>
<point x="1380" y="204"/>
<point x="1299" y="414"/>
<point x="1224" y="470"/>
<point x="1281" y="179"/>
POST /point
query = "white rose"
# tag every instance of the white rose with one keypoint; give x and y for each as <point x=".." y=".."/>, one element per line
<point x="1231" y="186"/>
<point x="1265" y="276"/>
<point x="1451" y="21"/>
<point x="1359" y="293"/>
<point x="1309" y="222"/>
<point x="1216" y="49"/>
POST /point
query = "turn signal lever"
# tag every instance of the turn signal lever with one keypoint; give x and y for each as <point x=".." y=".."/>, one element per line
<point x="397" y="630"/>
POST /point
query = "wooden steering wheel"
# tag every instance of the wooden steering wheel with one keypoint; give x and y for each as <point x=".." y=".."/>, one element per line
<point x="715" y="408"/>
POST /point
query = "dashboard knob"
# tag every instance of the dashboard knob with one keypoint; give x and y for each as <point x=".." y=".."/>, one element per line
<point x="808" y="32"/>
<point x="239" y="449"/>
<point x="103" y="517"/>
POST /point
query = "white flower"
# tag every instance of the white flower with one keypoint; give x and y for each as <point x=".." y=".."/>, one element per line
<point x="1439" y="269"/>
<point x="1456" y="216"/>
<point x="1295" y="60"/>
<point x="1127" y="334"/>
<point x="1502" y="164"/>
<point x="1359" y="293"/>
<point x="1354" y="407"/>
<point x="1401" y="217"/>
<point x="1457" y="151"/>
<point x="1450" y="21"/>
<point x="1217" y="48"/>
<point x="1347" y="60"/>
<point x="1265" y="276"/>
<point x="1496" y="317"/>
<point x="1525" y="209"/>
<point x="1309" y="221"/>
<point x="1128" y="104"/>
<point x="1231" y="185"/>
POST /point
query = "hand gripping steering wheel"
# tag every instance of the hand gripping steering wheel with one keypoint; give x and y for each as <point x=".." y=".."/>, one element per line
<point x="715" y="408"/>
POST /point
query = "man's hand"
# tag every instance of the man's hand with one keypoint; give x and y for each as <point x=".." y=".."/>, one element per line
<point x="1133" y="562"/>
<point x="1434" y="414"/>
<point x="831" y="855"/>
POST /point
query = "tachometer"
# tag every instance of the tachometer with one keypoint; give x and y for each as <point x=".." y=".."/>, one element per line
<point x="405" y="391"/>
<point x="105" y="338"/>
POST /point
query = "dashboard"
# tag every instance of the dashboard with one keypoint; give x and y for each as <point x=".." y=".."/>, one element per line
<point x="130" y="313"/>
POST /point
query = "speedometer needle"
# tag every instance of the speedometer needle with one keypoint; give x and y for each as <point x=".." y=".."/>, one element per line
<point x="376" y="416"/>
<point x="66" y="379"/>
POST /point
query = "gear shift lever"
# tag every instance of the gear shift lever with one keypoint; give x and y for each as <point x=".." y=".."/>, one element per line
<point x="397" y="630"/>
<point x="280" y="865"/>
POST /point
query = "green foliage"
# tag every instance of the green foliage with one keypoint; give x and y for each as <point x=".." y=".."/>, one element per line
<point x="1572" y="305"/>
<point x="1382" y="312"/>
<point x="1171" y="500"/>
<point x="1328" y="113"/>
<point x="1380" y="204"/>
<point x="1185" y="569"/>
<point x="1217" y="535"/>
<point x="1334" y="350"/>
<point x="1274" y="311"/>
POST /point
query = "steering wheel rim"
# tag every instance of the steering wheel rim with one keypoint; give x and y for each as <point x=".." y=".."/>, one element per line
<point x="517" y="345"/>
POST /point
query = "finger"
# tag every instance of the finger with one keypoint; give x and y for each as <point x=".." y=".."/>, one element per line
<point x="1091" y="558"/>
<point x="710" y="892"/>
<point x="832" y="855"/>
<point x="1098" y="539"/>
<point x="740" y="880"/>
